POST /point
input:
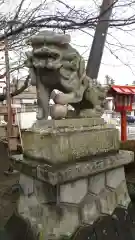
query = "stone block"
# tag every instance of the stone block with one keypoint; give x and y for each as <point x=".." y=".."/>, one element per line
<point x="96" y="183"/>
<point x="68" y="123"/>
<point x="68" y="144"/>
<point x="30" y="208"/>
<point x="93" y="166"/>
<point x="107" y="201"/>
<point x="59" y="221"/>
<point x="26" y="184"/>
<point x="122" y="195"/>
<point x="73" y="192"/>
<point x="45" y="192"/>
<point x="89" y="210"/>
<point x="115" y="177"/>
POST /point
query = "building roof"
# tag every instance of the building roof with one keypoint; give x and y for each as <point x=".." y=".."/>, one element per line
<point x="128" y="90"/>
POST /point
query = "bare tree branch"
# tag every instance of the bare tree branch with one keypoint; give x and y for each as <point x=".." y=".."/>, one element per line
<point x="23" y="23"/>
<point x="17" y="91"/>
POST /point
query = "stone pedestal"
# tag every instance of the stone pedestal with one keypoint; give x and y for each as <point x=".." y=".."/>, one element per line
<point x="65" y="141"/>
<point x="75" y="176"/>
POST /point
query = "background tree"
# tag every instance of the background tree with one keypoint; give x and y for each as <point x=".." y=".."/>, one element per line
<point x="109" y="81"/>
<point x="30" y="17"/>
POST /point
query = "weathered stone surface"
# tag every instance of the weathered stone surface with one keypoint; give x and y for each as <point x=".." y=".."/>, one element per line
<point x="63" y="154"/>
<point x="83" y="169"/>
<point x="66" y="123"/>
<point x="29" y="208"/>
<point x="115" y="177"/>
<point x="73" y="192"/>
<point x="107" y="201"/>
<point x="59" y="221"/>
<point x="50" y="37"/>
<point x="60" y="209"/>
<point x="64" y="173"/>
<point x="69" y="144"/>
<point x="54" y="65"/>
<point x="45" y="192"/>
<point x="63" y="218"/>
<point x="26" y="184"/>
<point x="119" y="226"/>
<point x="122" y="195"/>
<point x="97" y="183"/>
<point x="31" y="211"/>
<point x="89" y="209"/>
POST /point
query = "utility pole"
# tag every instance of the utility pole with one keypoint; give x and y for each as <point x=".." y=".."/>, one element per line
<point x="97" y="48"/>
<point x="8" y="96"/>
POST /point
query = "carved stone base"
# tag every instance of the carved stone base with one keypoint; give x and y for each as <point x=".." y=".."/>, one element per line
<point x="64" y="141"/>
<point x="82" y="202"/>
<point x="119" y="225"/>
<point x="75" y="177"/>
<point x="61" y="208"/>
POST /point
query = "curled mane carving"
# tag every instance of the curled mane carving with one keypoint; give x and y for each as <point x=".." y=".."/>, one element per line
<point x="55" y="64"/>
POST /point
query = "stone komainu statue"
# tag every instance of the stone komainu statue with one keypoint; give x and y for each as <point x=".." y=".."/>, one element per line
<point x="55" y="64"/>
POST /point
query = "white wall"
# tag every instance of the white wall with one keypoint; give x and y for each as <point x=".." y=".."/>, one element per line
<point x="26" y="119"/>
<point x="132" y="113"/>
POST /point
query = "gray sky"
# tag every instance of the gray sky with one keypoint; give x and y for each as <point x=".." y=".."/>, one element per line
<point x="117" y="62"/>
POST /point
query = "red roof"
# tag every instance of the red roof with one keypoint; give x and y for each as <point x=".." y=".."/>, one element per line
<point x="122" y="89"/>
